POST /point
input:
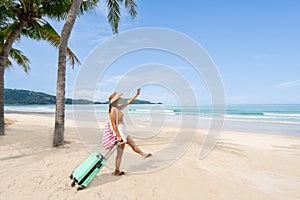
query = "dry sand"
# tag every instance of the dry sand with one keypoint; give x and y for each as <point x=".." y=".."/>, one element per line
<point x="241" y="166"/>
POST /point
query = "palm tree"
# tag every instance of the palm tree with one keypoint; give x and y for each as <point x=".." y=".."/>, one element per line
<point x="113" y="18"/>
<point x="27" y="18"/>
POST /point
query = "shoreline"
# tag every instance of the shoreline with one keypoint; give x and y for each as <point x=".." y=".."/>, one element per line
<point x="239" y="125"/>
<point x="28" y="112"/>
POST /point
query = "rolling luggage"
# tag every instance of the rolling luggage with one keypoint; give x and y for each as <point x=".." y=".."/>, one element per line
<point x="89" y="168"/>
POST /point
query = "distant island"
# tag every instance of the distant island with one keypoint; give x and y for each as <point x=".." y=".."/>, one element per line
<point x="27" y="97"/>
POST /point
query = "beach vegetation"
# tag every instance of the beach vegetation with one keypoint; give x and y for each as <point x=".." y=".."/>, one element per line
<point x="27" y="18"/>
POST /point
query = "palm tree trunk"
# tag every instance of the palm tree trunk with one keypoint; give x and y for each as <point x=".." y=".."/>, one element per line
<point x="2" y="68"/>
<point x="58" y="138"/>
<point x="3" y="60"/>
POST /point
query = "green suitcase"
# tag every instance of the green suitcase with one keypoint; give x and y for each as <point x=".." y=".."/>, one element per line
<point x="89" y="168"/>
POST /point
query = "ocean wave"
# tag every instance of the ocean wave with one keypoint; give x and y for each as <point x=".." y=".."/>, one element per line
<point x="262" y="121"/>
<point x="246" y="116"/>
<point x="282" y="119"/>
<point x="282" y="115"/>
<point x="167" y="112"/>
<point x="31" y="109"/>
<point x="231" y="112"/>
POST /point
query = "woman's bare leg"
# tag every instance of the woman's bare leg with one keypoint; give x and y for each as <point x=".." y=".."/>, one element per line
<point x="120" y="151"/>
<point x="136" y="148"/>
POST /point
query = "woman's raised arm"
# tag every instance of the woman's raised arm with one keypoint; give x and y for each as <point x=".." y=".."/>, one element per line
<point x="130" y="100"/>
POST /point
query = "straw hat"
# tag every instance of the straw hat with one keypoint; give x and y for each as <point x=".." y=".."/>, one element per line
<point x="114" y="96"/>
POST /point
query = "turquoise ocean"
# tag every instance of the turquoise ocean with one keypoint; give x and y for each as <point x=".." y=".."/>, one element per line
<point x="260" y="118"/>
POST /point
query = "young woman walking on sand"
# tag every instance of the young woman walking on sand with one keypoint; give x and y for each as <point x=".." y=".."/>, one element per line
<point x="118" y="126"/>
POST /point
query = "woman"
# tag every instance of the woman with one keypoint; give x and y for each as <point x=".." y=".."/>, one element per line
<point x="116" y="117"/>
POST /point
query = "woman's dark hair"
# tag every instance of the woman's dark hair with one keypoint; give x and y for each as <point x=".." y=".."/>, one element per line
<point x="109" y="108"/>
<point x="113" y="104"/>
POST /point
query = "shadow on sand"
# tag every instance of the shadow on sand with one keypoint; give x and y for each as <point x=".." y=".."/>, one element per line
<point x="103" y="179"/>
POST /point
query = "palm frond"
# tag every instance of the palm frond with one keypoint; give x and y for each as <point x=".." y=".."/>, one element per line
<point x="131" y="6"/>
<point x="4" y="15"/>
<point x="58" y="9"/>
<point x="9" y="3"/>
<point x="44" y="31"/>
<point x="54" y="39"/>
<point x="113" y="14"/>
<point x="88" y="5"/>
<point x="24" y="6"/>
<point x="19" y="58"/>
<point x="8" y="64"/>
<point x="8" y="29"/>
<point x="33" y="30"/>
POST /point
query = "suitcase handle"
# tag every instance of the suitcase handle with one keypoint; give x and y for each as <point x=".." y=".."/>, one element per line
<point x="110" y="152"/>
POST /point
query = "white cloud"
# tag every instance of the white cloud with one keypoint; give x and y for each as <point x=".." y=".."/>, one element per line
<point x="159" y="84"/>
<point x="109" y="80"/>
<point x="101" y="95"/>
<point x="92" y="33"/>
<point x="289" y="84"/>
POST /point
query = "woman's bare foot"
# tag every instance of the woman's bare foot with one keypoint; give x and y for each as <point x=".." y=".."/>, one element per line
<point x="147" y="155"/>
<point x="119" y="173"/>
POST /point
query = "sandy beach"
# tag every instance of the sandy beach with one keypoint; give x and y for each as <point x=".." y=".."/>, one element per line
<point x="241" y="166"/>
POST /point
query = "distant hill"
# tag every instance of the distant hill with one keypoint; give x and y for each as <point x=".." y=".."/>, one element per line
<point x="25" y="97"/>
<point x="136" y="101"/>
<point x="13" y="96"/>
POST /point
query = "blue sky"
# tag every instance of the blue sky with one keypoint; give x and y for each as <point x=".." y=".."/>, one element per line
<point x="254" y="44"/>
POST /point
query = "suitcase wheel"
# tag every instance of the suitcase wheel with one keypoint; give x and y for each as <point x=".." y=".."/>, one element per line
<point x="80" y="188"/>
<point x="73" y="184"/>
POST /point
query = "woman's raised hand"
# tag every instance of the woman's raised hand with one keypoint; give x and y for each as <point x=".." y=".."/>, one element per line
<point x="138" y="91"/>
